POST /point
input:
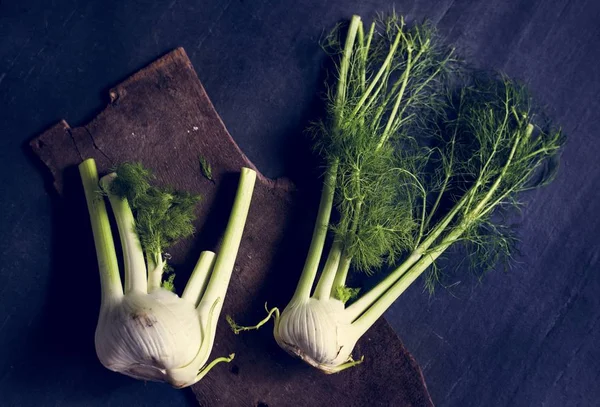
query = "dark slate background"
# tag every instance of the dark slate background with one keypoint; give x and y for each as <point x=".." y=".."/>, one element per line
<point x="528" y="337"/>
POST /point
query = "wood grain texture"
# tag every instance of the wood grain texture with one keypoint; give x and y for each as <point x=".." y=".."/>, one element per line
<point x="162" y="117"/>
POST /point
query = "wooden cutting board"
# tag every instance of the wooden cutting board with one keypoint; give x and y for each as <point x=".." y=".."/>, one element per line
<point x="162" y="117"/>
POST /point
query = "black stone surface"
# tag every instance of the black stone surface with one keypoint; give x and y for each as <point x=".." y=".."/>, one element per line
<point x="527" y="337"/>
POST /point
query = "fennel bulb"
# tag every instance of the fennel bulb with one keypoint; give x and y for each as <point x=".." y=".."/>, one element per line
<point x="145" y="330"/>
<point x="410" y="172"/>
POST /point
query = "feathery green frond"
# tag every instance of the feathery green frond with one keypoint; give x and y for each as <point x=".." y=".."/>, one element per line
<point x="394" y="74"/>
<point x="163" y="216"/>
<point x="491" y="152"/>
<point x="345" y="294"/>
<point x="169" y="283"/>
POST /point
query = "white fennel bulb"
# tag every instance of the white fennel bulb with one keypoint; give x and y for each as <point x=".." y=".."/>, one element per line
<point x="145" y="330"/>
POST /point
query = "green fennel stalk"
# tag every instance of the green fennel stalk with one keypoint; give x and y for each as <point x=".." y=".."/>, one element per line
<point x="411" y="171"/>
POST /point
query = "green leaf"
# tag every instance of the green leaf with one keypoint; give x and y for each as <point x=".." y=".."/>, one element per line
<point x="345" y="294"/>
<point x="169" y="284"/>
<point x="163" y="216"/>
<point x="205" y="168"/>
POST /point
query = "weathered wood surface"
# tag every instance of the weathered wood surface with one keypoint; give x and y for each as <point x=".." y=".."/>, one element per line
<point x="162" y="117"/>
